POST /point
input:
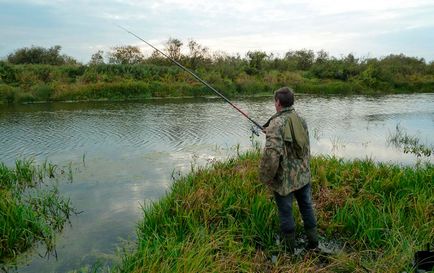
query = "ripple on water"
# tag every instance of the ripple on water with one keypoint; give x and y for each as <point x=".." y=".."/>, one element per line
<point x="132" y="148"/>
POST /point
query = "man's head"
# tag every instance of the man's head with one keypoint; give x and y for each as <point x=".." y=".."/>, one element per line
<point x="283" y="97"/>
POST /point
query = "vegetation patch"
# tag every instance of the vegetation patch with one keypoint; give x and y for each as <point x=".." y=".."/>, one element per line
<point x="409" y="143"/>
<point x="31" y="208"/>
<point x="221" y="219"/>
<point x="38" y="74"/>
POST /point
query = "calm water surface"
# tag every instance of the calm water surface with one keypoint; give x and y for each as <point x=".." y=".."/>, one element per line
<point x="124" y="154"/>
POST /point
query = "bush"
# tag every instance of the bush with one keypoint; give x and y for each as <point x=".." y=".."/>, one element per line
<point x="24" y="96"/>
<point x="324" y="75"/>
<point x="72" y="72"/>
<point x="43" y="73"/>
<point x="249" y="85"/>
<point x="43" y="92"/>
<point x="118" y="91"/>
<point x="330" y="87"/>
<point x="7" y="73"/>
<point x="40" y="55"/>
<point x="7" y="94"/>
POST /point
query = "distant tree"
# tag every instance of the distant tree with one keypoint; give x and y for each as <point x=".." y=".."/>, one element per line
<point x="303" y="59"/>
<point x="229" y="66"/>
<point x="157" y="58"/>
<point x="173" y="48"/>
<point x="350" y="67"/>
<point x="197" y="55"/>
<point x="431" y="68"/>
<point x="40" y="55"/>
<point x="97" y="58"/>
<point x="340" y="69"/>
<point x="321" y="57"/>
<point x="256" y="60"/>
<point x="350" y="59"/>
<point x="125" y="55"/>
<point x="402" y="64"/>
<point x="69" y="60"/>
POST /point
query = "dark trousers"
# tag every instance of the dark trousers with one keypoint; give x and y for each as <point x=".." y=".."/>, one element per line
<point x="284" y="205"/>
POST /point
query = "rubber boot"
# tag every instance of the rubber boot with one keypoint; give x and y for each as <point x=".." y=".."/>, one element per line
<point x="289" y="242"/>
<point x="312" y="238"/>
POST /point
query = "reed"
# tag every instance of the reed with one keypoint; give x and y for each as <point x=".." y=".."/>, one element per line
<point x="31" y="207"/>
<point x="221" y="219"/>
<point x="409" y="143"/>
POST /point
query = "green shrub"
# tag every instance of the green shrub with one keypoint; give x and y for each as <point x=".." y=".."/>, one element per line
<point x="43" y="92"/>
<point x="7" y="73"/>
<point x="330" y="87"/>
<point x="117" y="90"/>
<point x="7" y="93"/>
<point x="249" y="85"/>
<point x="323" y="75"/>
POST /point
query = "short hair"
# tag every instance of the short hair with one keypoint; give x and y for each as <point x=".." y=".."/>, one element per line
<point x="285" y="95"/>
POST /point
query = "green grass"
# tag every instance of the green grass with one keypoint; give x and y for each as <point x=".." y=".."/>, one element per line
<point x="31" y="208"/>
<point x="409" y="143"/>
<point x="221" y="219"/>
<point x="41" y="82"/>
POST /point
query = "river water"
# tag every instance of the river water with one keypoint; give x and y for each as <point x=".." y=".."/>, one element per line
<point x="124" y="154"/>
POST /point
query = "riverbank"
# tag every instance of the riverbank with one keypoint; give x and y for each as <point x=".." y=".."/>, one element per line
<point x="134" y="91"/>
<point x="132" y="151"/>
<point x="31" y="208"/>
<point x="221" y="219"/>
<point x="37" y="82"/>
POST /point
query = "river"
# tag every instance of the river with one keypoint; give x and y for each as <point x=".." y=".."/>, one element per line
<point x="124" y="155"/>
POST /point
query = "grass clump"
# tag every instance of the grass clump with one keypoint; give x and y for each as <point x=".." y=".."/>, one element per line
<point x="221" y="219"/>
<point x="31" y="208"/>
<point x="384" y="212"/>
<point x="409" y="143"/>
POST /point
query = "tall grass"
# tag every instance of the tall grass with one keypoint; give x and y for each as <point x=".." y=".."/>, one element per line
<point x="221" y="219"/>
<point x="409" y="143"/>
<point x="42" y="82"/>
<point x="385" y="209"/>
<point x="31" y="207"/>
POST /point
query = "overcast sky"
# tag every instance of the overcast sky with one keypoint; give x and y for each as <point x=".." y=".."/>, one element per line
<point x="369" y="28"/>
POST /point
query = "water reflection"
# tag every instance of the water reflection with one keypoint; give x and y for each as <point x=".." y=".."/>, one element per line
<point x="132" y="149"/>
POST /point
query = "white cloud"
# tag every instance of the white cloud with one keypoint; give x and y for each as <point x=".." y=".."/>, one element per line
<point x="347" y="6"/>
<point x="337" y="26"/>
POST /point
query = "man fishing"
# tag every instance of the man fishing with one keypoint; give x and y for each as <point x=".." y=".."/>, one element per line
<point x="285" y="168"/>
<point x="285" y="162"/>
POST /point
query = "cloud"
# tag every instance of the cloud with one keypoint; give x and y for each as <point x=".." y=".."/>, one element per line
<point x="337" y="26"/>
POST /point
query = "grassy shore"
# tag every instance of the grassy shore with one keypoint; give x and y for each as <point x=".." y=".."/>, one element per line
<point x="127" y="90"/>
<point x="221" y="219"/>
<point x="31" y="208"/>
<point x="37" y="82"/>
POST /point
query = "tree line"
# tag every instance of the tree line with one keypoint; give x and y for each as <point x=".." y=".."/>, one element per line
<point x="31" y="68"/>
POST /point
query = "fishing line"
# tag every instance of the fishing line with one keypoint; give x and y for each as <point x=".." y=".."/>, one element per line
<point x="199" y="79"/>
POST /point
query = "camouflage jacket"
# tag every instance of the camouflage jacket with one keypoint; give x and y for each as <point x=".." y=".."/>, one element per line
<point x="283" y="167"/>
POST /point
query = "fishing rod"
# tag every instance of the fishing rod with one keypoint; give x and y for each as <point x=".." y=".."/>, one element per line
<point x="197" y="78"/>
